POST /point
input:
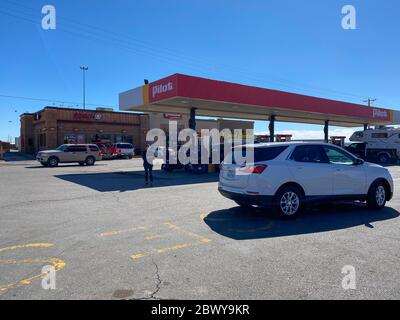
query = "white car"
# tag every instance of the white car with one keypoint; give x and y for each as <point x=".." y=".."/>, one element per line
<point x="124" y="149"/>
<point x="285" y="176"/>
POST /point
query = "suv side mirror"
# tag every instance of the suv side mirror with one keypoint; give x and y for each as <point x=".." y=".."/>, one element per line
<point x="358" y="162"/>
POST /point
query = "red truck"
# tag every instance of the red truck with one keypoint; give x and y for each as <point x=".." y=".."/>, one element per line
<point x="107" y="150"/>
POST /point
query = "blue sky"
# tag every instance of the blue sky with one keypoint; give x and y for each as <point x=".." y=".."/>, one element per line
<point x="297" y="46"/>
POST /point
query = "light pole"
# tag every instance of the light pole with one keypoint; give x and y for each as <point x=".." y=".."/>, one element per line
<point x="84" y="69"/>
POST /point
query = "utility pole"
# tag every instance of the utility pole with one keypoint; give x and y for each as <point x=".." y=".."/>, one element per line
<point x="370" y="101"/>
<point x="84" y="69"/>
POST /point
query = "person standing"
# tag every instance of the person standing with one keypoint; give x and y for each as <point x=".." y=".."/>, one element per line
<point x="148" y="166"/>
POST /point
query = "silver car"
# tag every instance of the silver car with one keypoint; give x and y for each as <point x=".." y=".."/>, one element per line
<point x="69" y="153"/>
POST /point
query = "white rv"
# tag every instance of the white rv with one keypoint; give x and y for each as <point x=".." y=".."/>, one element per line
<point x="381" y="144"/>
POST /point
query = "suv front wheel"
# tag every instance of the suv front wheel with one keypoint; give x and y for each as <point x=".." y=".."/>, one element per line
<point x="52" y="162"/>
<point x="377" y="196"/>
<point x="288" y="202"/>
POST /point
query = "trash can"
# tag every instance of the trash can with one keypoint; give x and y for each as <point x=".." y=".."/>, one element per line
<point x="212" y="168"/>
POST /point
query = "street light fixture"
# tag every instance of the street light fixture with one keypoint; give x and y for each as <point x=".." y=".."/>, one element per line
<point x="84" y="69"/>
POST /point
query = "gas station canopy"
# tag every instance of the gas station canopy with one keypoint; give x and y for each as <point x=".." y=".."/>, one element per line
<point x="184" y="94"/>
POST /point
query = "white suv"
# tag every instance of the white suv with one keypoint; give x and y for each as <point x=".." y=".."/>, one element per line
<point x="285" y="176"/>
<point x="124" y="150"/>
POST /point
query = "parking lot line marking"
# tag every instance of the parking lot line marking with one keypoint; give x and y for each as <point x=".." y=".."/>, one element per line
<point x="175" y="247"/>
<point x="3" y="262"/>
<point x="29" y="245"/>
<point x="189" y="233"/>
<point x="139" y="255"/>
<point x="116" y="232"/>
<point x="57" y="263"/>
<point x="156" y="236"/>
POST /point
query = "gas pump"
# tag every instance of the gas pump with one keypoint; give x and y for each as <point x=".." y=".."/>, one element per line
<point x="338" y="140"/>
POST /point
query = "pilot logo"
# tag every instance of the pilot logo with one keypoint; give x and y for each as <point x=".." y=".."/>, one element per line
<point x="49" y="20"/>
<point x="377" y="113"/>
<point x="49" y="277"/>
<point x="162" y="88"/>
<point x="349" y="280"/>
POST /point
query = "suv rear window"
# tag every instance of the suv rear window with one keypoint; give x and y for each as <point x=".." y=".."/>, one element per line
<point x="77" y="149"/>
<point x="260" y="153"/>
<point x="124" y="146"/>
<point x="268" y="153"/>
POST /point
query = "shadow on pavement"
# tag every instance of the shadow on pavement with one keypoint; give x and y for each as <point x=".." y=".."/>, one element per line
<point x="133" y="180"/>
<point x="17" y="156"/>
<point x="256" y="223"/>
<point x="62" y="165"/>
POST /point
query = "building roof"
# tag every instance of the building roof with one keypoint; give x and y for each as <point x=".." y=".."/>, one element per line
<point x="74" y="109"/>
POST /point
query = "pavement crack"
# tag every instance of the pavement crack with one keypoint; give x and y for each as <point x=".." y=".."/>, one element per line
<point x="158" y="284"/>
<point x="153" y="294"/>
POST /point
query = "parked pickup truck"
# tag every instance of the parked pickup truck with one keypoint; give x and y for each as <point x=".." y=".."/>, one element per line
<point x="383" y="156"/>
<point x="380" y="144"/>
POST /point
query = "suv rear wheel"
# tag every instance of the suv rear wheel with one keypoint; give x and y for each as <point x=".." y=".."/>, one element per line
<point x="288" y="202"/>
<point x="377" y="196"/>
<point x="90" y="161"/>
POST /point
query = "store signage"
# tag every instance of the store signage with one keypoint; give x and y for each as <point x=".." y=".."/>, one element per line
<point x="162" y="88"/>
<point x="378" y="113"/>
<point x="87" y="116"/>
<point x="172" y="116"/>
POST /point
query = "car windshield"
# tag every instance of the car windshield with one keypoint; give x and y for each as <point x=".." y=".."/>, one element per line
<point x="62" y="147"/>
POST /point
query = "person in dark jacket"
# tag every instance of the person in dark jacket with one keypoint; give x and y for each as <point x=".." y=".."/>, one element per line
<point x="148" y="167"/>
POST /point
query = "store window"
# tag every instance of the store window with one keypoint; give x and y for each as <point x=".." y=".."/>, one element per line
<point x="42" y="140"/>
<point x="121" y="138"/>
<point x="74" y="138"/>
<point x="101" y="138"/>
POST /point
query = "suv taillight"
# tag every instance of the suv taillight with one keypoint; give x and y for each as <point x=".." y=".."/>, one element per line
<point x="256" y="169"/>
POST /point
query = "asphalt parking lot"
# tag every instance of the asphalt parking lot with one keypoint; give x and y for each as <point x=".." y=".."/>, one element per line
<point x="111" y="237"/>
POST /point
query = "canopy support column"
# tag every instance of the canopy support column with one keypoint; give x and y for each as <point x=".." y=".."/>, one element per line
<point x="192" y="120"/>
<point x="366" y="126"/>
<point x="326" y="131"/>
<point x="271" y="128"/>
